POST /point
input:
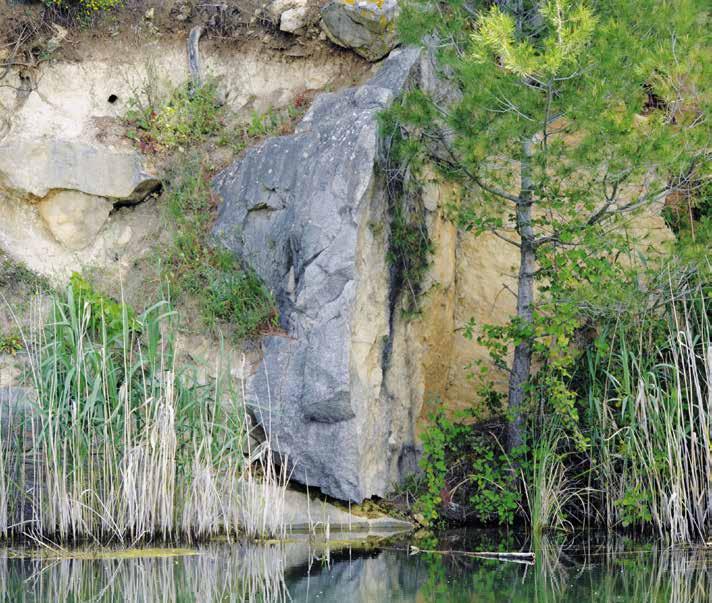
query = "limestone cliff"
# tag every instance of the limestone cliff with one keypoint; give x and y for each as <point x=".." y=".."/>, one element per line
<point x="342" y="390"/>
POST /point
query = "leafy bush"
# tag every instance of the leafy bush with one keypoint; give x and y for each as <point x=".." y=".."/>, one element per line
<point x="468" y="476"/>
<point x="103" y="313"/>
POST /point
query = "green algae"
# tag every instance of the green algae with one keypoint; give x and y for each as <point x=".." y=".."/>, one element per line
<point x="50" y="552"/>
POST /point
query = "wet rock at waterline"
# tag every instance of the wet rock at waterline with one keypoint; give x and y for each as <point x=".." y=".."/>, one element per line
<point x="368" y="27"/>
<point x="309" y="213"/>
<point x="304" y="513"/>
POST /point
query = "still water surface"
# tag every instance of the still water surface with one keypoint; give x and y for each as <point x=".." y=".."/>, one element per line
<point x="577" y="572"/>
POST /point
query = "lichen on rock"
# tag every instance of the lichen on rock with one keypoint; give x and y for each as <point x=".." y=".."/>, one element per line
<point x="368" y="27"/>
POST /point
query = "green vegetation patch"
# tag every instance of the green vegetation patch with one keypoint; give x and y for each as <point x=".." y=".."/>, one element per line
<point x="16" y="275"/>
<point x="135" y="437"/>
<point x="88" y="5"/>
<point x="10" y="343"/>
<point x="188" y="116"/>
<point x="466" y="474"/>
<point x="409" y="246"/>
<point x="226" y="290"/>
<point x="103" y="313"/>
<point x="263" y="125"/>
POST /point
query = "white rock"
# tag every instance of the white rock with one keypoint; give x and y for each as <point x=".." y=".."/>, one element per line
<point x="39" y="166"/>
<point x="277" y="8"/>
<point x="294" y="19"/>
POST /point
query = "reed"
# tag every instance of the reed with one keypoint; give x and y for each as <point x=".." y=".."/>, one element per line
<point x="651" y="417"/>
<point x="548" y="490"/>
<point x="121" y="444"/>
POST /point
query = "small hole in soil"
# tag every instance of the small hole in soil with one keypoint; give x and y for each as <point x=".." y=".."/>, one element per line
<point x="112" y="98"/>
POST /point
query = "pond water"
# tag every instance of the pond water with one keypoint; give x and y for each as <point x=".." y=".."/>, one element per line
<point x="580" y="571"/>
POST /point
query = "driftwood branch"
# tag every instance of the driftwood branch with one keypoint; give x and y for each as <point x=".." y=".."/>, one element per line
<point x="515" y="557"/>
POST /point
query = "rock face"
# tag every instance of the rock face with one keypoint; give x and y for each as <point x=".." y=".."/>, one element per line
<point x="366" y="26"/>
<point x="309" y="213"/>
<point x="37" y="166"/>
<point x="75" y="218"/>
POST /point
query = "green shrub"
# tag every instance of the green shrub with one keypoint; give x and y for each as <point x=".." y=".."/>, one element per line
<point x="189" y="116"/>
<point x="467" y="470"/>
<point x="103" y="313"/>
<point x="86" y="5"/>
<point x="238" y="297"/>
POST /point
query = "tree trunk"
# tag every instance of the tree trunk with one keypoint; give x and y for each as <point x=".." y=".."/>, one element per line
<point x="521" y="363"/>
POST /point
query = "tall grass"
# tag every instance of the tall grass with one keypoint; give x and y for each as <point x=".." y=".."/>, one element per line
<point x="650" y="408"/>
<point x="548" y="489"/>
<point x="121" y="444"/>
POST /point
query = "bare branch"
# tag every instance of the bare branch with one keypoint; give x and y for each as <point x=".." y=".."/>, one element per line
<point x="494" y="190"/>
<point x="499" y="235"/>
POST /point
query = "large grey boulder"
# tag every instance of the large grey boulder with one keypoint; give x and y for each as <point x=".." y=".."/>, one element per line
<point x="309" y="213"/>
<point x="368" y="27"/>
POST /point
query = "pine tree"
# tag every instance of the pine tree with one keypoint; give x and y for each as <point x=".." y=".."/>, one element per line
<point x="564" y="117"/>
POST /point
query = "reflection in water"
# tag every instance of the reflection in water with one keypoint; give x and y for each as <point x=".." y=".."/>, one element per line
<point x="578" y="572"/>
<point x="220" y="573"/>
